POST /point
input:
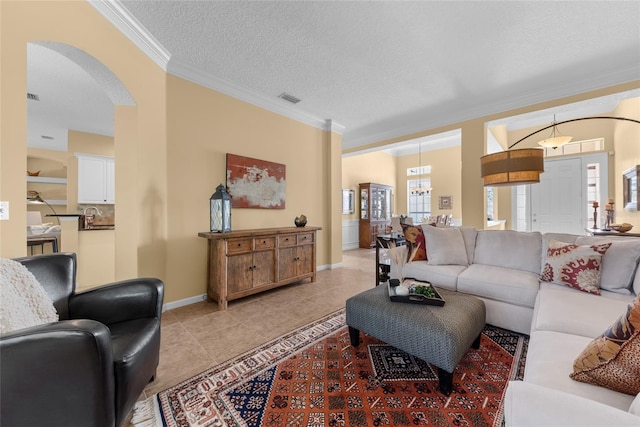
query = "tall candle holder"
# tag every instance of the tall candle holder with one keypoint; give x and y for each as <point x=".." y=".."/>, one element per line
<point x="612" y="219"/>
<point x="595" y="215"/>
<point x="609" y="217"/>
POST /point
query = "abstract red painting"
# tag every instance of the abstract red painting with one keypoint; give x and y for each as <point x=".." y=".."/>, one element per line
<point x="254" y="183"/>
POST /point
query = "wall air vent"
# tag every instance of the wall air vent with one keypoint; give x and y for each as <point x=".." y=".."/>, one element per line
<point x="292" y="99"/>
<point x="47" y="137"/>
<point x="33" y="96"/>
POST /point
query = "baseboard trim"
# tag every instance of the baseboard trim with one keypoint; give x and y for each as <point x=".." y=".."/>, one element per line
<point x="181" y="303"/>
<point x="192" y="300"/>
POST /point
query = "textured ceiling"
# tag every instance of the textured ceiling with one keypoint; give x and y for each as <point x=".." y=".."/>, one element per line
<point x="388" y="68"/>
<point x="384" y="68"/>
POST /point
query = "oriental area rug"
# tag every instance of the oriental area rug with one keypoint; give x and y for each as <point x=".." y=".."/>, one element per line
<point x="313" y="377"/>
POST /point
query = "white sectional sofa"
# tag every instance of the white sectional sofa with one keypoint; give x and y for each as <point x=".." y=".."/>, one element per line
<point x="503" y="268"/>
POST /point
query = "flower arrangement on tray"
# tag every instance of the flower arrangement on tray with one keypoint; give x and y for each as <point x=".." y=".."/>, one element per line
<point x="417" y="292"/>
<point x="400" y="259"/>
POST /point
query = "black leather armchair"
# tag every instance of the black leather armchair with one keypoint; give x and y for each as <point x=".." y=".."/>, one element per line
<point x="89" y="368"/>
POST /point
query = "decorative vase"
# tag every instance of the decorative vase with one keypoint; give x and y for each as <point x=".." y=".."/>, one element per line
<point x="300" y="221"/>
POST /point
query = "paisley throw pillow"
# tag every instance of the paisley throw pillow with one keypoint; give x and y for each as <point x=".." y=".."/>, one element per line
<point x="611" y="360"/>
<point x="574" y="266"/>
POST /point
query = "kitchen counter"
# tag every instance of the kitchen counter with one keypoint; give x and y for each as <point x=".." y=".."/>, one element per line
<point x="99" y="227"/>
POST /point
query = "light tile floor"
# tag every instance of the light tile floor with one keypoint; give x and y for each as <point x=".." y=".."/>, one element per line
<point x="199" y="336"/>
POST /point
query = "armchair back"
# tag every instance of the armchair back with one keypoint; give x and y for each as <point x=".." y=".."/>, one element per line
<point x="57" y="275"/>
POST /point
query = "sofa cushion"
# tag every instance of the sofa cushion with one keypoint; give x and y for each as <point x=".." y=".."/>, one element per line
<point x="619" y="264"/>
<point x="414" y="237"/>
<point x="510" y="249"/>
<point x="574" y="266"/>
<point x="444" y="276"/>
<point x="445" y="246"/>
<point x="531" y="405"/>
<point x="550" y="360"/>
<point x="500" y="284"/>
<point x="636" y="283"/>
<point x="611" y="360"/>
<point x="635" y="406"/>
<point x="469" y="235"/>
<point x="562" y="309"/>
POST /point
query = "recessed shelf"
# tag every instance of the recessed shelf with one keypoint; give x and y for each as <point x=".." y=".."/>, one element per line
<point x="46" y="180"/>
<point x="52" y="202"/>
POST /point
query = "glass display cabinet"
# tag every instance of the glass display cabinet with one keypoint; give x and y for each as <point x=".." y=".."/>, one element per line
<point x="375" y="212"/>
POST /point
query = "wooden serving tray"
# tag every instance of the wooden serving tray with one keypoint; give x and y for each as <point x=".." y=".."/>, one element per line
<point x="413" y="298"/>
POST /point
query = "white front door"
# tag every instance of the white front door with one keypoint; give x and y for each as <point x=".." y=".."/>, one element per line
<point x="557" y="204"/>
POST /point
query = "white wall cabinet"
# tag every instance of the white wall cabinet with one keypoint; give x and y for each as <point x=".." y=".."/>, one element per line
<point x="96" y="179"/>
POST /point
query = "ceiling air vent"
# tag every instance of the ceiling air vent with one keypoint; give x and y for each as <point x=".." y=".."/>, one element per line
<point x="292" y="99"/>
<point x="47" y="137"/>
<point x="33" y="96"/>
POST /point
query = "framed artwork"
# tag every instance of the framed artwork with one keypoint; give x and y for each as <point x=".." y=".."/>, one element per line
<point x="254" y="183"/>
<point x="630" y="178"/>
<point x="348" y="201"/>
<point x="445" y="202"/>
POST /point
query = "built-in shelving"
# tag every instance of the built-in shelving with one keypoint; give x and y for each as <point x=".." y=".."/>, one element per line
<point x="46" y="180"/>
<point x="49" y="180"/>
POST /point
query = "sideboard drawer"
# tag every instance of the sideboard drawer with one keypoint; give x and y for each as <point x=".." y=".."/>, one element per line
<point x="287" y="240"/>
<point x="238" y="246"/>
<point x="265" y="243"/>
<point x="305" y="238"/>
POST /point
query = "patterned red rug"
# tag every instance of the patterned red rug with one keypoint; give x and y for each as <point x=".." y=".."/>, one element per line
<point x="313" y="377"/>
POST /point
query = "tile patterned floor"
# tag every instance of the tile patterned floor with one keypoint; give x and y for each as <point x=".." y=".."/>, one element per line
<point x="199" y="336"/>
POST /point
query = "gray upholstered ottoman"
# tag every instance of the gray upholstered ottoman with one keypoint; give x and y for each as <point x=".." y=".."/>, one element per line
<point x="438" y="335"/>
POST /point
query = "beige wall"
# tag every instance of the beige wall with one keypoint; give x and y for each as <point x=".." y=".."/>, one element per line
<point x="169" y="149"/>
<point x="627" y="149"/>
<point x="202" y="127"/>
<point x="445" y="178"/>
<point x="378" y="167"/>
<point x="474" y="146"/>
<point x="170" y="146"/>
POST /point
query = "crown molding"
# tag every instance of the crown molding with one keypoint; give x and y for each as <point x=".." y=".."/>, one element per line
<point x="332" y="126"/>
<point x="120" y="17"/>
<point x="128" y="25"/>
<point x="202" y="78"/>
<point x="445" y="118"/>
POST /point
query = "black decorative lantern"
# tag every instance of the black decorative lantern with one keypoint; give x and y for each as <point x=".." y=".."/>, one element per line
<point x="220" y="210"/>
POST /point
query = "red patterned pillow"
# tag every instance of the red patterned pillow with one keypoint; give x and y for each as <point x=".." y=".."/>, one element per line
<point x="415" y="242"/>
<point x="611" y="360"/>
<point x="574" y="266"/>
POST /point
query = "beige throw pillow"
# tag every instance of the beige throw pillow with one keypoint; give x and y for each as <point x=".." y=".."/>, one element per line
<point x="445" y="246"/>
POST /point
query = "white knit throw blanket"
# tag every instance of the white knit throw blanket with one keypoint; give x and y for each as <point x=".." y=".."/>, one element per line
<point x="23" y="301"/>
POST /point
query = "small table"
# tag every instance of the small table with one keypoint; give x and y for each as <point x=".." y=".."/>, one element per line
<point x="438" y="335"/>
<point x="41" y="241"/>
<point x="383" y="241"/>
<point x="603" y="232"/>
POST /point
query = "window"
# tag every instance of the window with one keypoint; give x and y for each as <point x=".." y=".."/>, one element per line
<point x="419" y="195"/>
<point x="593" y="192"/>
<point x="490" y="195"/>
<point x="419" y="170"/>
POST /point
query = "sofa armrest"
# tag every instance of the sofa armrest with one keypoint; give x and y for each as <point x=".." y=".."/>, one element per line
<point x="528" y="404"/>
<point x="119" y="302"/>
<point x="57" y="374"/>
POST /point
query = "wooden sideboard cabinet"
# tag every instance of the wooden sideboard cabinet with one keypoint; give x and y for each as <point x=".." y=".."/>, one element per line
<point x="246" y="262"/>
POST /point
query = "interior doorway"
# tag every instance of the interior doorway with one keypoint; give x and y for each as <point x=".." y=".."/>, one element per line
<point x="556" y="202"/>
<point x="562" y="201"/>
